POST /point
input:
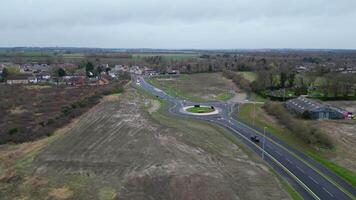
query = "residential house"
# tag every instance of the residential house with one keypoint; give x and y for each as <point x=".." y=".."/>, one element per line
<point x="173" y="71"/>
<point x="150" y="72"/>
<point x="119" y="68"/>
<point x="19" y="79"/>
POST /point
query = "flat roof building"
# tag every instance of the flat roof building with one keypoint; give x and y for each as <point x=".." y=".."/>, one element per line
<point x="311" y="109"/>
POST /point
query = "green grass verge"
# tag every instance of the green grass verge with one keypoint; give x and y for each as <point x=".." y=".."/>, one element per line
<point x="200" y="110"/>
<point x="246" y="115"/>
<point x="250" y="76"/>
<point x="346" y="174"/>
<point x="224" y="96"/>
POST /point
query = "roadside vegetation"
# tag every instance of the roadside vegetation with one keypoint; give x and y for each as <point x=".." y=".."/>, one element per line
<point x="238" y="79"/>
<point x="304" y="130"/>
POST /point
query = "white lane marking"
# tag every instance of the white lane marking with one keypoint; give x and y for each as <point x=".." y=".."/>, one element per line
<point x="328" y="192"/>
<point x="313" y="180"/>
<point x="300" y="169"/>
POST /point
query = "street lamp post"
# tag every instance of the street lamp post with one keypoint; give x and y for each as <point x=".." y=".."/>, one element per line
<point x="263" y="144"/>
<point x="254" y="113"/>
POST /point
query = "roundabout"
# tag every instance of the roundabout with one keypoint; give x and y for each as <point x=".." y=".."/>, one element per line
<point x="200" y="110"/>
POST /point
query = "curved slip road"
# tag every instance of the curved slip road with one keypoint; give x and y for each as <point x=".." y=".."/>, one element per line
<point x="310" y="179"/>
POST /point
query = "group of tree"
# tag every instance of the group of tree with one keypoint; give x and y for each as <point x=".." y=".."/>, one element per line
<point x="8" y="71"/>
<point x="238" y="79"/>
<point x="4" y="74"/>
<point x="336" y="85"/>
<point x="303" y="130"/>
<point x="92" y="70"/>
<point x="274" y="78"/>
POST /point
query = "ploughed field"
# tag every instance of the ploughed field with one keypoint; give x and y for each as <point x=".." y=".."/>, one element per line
<point x="124" y="148"/>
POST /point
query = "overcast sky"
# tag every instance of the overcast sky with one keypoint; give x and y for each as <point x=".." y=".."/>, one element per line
<point x="208" y="24"/>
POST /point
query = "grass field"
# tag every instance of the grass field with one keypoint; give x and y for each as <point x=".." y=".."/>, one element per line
<point x="200" y="110"/>
<point x="262" y="120"/>
<point x="167" y="56"/>
<point x="196" y="87"/>
<point x="251" y="76"/>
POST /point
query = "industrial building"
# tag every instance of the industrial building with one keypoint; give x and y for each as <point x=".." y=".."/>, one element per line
<point x="311" y="109"/>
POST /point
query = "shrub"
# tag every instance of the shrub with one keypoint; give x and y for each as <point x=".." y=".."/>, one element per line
<point x="238" y="79"/>
<point x="13" y="131"/>
<point x="66" y="110"/>
<point x="306" y="115"/>
<point x="42" y="123"/>
<point x="306" y="132"/>
<point x="50" y="121"/>
<point x="74" y="105"/>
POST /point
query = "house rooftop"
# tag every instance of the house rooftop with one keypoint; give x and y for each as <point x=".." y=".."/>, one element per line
<point x="19" y="77"/>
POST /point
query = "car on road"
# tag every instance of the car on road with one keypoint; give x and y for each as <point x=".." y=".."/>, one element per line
<point x="255" y="139"/>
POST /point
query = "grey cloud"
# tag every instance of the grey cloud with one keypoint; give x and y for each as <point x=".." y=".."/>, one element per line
<point x="179" y="23"/>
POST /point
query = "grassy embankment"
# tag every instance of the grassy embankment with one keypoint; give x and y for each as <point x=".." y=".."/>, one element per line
<point x="320" y="155"/>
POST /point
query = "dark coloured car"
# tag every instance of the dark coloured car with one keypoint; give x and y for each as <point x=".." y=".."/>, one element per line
<point x="255" y="139"/>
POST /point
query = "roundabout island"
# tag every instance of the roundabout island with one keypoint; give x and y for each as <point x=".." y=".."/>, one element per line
<point x="200" y="110"/>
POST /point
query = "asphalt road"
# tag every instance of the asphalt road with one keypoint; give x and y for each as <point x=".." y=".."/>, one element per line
<point x="310" y="179"/>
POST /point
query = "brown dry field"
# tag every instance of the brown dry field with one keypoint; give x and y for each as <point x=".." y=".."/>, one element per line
<point x="343" y="133"/>
<point x="120" y="150"/>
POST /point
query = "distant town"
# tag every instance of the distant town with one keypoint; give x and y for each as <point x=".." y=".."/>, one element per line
<point x="69" y="74"/>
